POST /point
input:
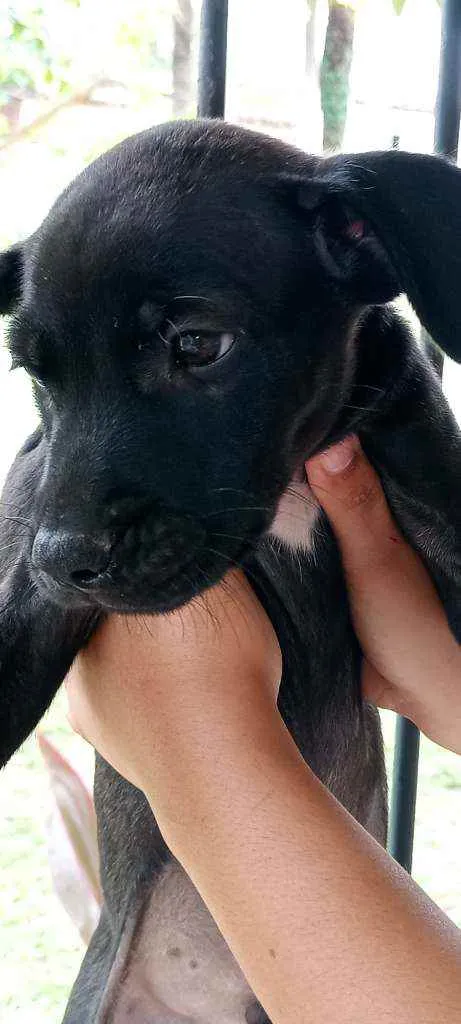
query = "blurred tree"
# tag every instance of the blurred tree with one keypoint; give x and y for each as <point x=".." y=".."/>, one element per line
<point x="183" y="18"/>
<point x="29" y="64"/>
<point x="335" y="70"/>
<point x="44" y="57"/>
<point x="336" y="65"/>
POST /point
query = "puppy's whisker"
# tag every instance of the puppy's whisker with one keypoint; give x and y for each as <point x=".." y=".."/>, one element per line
<point x="306" y="500"/>
<point x="221" y="554"/>
<point x="294" y="516"/>
<point x="8" y="547"/>
<point x="22" y="595"/>
<point x="227" y="584"/>
<point x="173" y="325"/>
<point x="371" y="387"/>
<point x="230" y="536"/>
<point x="204" y="601"/>
<point x="200" y="603"/>
<point x="361" y="408"/>
<point x="12" y="510"/>
<point x="16" y="519"/>
<point x="200" y="298"/>
<point x="145" y="624"/>
<point x="228" y="587"/>
<point x="238" y="508"/>
<point x="235" y="490"/>
<point x="17" y="508"/>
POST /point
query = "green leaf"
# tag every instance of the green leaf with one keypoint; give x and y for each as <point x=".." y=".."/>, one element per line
<point x="17" y="28"/>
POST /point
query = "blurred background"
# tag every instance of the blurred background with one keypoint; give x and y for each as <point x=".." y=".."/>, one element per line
<point x="76" y="76"/>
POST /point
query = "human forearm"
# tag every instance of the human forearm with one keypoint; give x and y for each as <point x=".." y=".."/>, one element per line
<point x="186" y="709"/>
<point x="304" y="897"/>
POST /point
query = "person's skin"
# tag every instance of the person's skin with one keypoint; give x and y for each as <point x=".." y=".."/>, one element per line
<point x="412" y="661"/>
<point x="325" y="925"/>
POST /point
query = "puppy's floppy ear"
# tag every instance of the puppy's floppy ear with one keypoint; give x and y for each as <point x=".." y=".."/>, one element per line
<point x="390" y="222"/>
<point x="10" y="278"/>
<point x="38" y="639"/>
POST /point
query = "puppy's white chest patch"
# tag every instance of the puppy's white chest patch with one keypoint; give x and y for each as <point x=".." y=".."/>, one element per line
<point x="181" y="970"/>
<point x="297" y="514"/>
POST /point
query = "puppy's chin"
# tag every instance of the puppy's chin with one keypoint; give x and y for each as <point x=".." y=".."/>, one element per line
<point x="297" y="514"/>
<point x="140" y="596"/>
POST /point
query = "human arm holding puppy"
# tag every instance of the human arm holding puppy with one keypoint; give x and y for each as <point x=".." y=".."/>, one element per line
<point x="412" y="661"/>
<point x="321" y="919"/>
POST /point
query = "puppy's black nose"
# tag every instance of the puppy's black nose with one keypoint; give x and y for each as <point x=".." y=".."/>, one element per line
<point x="75" y="558"/>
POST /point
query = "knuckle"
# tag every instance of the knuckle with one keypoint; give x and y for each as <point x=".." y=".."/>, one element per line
<point x="367" y="494"/>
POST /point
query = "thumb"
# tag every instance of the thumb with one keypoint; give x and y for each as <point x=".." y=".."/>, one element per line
<point x="350" y="493"/>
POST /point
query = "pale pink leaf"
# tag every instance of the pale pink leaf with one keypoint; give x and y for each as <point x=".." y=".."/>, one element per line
<point x="72" y="841"/>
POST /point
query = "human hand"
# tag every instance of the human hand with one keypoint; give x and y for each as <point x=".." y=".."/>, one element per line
<point x="412" y="661"/>
<point x="185" y="689"/>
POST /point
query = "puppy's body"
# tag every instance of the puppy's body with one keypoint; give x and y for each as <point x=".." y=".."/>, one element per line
<point x="202" y="310"/>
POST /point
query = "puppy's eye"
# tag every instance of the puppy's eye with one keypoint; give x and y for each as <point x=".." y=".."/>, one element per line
<point x="194" y="349"/>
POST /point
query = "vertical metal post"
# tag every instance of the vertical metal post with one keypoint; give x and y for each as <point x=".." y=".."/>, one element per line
<point x="404" y="788"/>
<point x="405" y="774"/>
<point x="446" y="138"/>
<point x="212" y="59"/>
<point x="447" y="110"/>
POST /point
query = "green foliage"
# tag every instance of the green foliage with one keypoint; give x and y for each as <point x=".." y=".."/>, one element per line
<point x="136" y="42"/>
<point x="29" y="61"/>
<point x="44" y="56"/>
<point x="398" y="5"/>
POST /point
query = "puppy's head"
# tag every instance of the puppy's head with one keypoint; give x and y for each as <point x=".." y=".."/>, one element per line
<point x="189" y="313"/>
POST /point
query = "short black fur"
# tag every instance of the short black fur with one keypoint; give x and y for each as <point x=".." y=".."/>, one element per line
<point x="213" y="229"/>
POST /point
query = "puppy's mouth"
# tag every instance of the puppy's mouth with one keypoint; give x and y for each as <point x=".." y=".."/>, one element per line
<point x="158" y="565"/>
<point x="137" y="586"/>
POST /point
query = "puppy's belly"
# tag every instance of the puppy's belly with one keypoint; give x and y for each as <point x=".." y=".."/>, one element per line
<point x="297" y="514"/>
<point x="180" y="970"/>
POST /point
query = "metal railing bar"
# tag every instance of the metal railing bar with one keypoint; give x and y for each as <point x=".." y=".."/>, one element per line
<point x="212" y="59"/>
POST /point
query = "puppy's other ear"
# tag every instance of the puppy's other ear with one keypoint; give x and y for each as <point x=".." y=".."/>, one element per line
<point x="10" y="278"/>
<point x="390" y="222"/>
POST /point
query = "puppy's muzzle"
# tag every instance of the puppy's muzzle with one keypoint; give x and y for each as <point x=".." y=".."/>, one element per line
<point x="144" y="552"/>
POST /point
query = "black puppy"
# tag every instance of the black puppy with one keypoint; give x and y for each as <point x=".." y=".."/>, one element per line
<point x="202" y="310"/>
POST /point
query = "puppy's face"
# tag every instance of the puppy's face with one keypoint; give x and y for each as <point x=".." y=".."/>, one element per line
<point x="188" y="350"/>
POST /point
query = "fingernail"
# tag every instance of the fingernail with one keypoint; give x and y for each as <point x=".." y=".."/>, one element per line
<point x="340" y="456"/>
